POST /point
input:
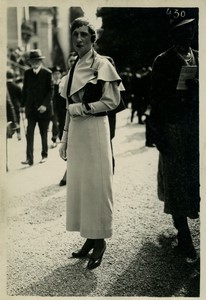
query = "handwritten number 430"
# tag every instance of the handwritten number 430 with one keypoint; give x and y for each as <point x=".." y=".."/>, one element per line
<point x="176" y="13"/>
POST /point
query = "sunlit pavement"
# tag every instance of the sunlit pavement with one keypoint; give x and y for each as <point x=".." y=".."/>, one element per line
<point x="139" y="260"/>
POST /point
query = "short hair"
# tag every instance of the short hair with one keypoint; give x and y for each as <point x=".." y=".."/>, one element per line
<point x="81" y="21"/>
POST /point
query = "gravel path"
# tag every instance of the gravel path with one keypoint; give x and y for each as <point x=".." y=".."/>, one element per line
<point x="139" y="260"/>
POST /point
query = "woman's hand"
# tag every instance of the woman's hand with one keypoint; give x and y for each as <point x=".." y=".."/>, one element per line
<point x="77" y="109"/>
<point x="63" y="151"/>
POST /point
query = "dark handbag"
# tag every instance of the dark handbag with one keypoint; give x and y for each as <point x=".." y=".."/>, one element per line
<point x="93" y="93"/>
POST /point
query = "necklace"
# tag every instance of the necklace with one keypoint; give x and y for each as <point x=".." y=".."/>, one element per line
<point x="188" y="58"/>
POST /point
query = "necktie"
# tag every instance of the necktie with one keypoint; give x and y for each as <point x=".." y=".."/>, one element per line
<point x="70" y="77"/>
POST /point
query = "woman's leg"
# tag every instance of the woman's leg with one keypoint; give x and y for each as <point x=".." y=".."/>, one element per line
<point x="185" y="243"/>
<point x="88" y="245"/>
<point x="97" y="254"/>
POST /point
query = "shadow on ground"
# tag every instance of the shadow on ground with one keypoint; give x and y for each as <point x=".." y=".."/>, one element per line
<point x="158" y="272"/>
<point x="70" y="280"/>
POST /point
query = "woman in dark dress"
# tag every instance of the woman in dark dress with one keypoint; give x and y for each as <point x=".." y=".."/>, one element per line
<point x="175" y="121"/>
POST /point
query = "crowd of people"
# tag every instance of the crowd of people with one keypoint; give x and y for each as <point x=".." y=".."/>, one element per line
<point x="26" y="95"/>
<point x="79" y="104"/>
<point x="137" y="97"/>
<point x="21" y="80"/>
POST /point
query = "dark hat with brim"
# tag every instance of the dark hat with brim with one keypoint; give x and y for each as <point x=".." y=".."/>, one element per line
<point x="56" y="69"/>
<point x="35" y="54"/>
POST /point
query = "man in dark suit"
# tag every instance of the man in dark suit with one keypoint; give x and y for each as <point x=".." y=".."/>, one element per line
<point x="37" y="97"/>
<point x="59" y="107"/>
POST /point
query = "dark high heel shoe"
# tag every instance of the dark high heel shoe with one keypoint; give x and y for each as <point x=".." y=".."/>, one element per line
<point x="96" y="258"/>
<point x="88" y="245"/>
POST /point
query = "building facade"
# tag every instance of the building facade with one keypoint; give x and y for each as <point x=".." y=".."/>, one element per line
<point x="49" y="26"/>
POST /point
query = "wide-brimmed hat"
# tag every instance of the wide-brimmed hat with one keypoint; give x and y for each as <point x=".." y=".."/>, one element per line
<point x="180" y="16"/>
<point x="35" y="54"/>
<point x="180" y="22"/>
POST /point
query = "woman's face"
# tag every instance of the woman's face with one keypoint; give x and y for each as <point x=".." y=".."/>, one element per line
<point x="81" y="39"/>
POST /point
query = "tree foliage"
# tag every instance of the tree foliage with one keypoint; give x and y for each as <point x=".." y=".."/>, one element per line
<point x="133" y="36"/>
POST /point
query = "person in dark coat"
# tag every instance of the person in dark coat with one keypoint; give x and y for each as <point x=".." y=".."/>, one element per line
<point x="127" y="80"/>
<point x="14" y="95"/>
<point x="58" y="106"/>
<point x="11" y="118"/>
<point x="140" y="90"/>
<point x="37" y="97"/>
<point x="175" y="121"/>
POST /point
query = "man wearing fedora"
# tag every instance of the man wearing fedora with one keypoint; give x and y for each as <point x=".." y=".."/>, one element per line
<point x="36" y="99"/>
<point x="175" y="122"/>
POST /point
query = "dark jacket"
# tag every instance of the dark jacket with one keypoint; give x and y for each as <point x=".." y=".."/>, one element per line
<point x="169" y="104"/>
<point x="175" y="121"/>
<point x="37" y="91"/>
<point x="58" y="102"/>
<point x="15" y="95"/>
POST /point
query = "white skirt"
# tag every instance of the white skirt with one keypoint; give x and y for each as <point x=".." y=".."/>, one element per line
<point x="89" y="177"/>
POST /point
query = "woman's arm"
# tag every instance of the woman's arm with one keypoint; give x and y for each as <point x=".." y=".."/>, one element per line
<point x="66" y="128"/>
<point x="110" y="98"/>
<point x="64" y="140"/>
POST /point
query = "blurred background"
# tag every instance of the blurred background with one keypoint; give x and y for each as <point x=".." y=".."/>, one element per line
<point x="132" y="36"/>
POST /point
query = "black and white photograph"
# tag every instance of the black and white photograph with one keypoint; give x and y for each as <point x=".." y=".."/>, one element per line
<point x="102" y="191"/>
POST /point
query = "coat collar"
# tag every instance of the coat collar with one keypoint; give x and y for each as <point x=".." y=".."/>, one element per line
<point x="91" y="68"/>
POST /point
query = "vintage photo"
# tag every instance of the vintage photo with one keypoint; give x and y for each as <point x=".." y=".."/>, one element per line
<point x="102" y="165"/>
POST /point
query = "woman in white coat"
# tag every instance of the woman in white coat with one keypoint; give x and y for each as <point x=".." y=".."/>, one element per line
<point x="91" y="89"/>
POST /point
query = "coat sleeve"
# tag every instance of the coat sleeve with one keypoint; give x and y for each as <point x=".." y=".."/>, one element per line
<point x="159" y="93"/>
<point x="24" y="89"/>
<point x="50" y="91"/>
<point x="110" y="98"/>
<point x="157" y="109"/>
<point x="111" y="86"/>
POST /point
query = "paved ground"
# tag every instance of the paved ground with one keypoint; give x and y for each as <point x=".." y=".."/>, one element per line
<point x="139" y="260"/>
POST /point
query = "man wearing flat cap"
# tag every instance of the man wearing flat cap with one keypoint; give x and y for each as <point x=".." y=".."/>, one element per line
<point x="175" y="122"/>
<point x="37" y="97"/>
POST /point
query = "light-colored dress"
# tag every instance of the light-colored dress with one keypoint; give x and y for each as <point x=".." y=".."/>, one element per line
<point x="89" y="158"/>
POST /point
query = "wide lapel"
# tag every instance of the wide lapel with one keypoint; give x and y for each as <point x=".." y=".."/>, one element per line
<point x="83" y="73"/>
